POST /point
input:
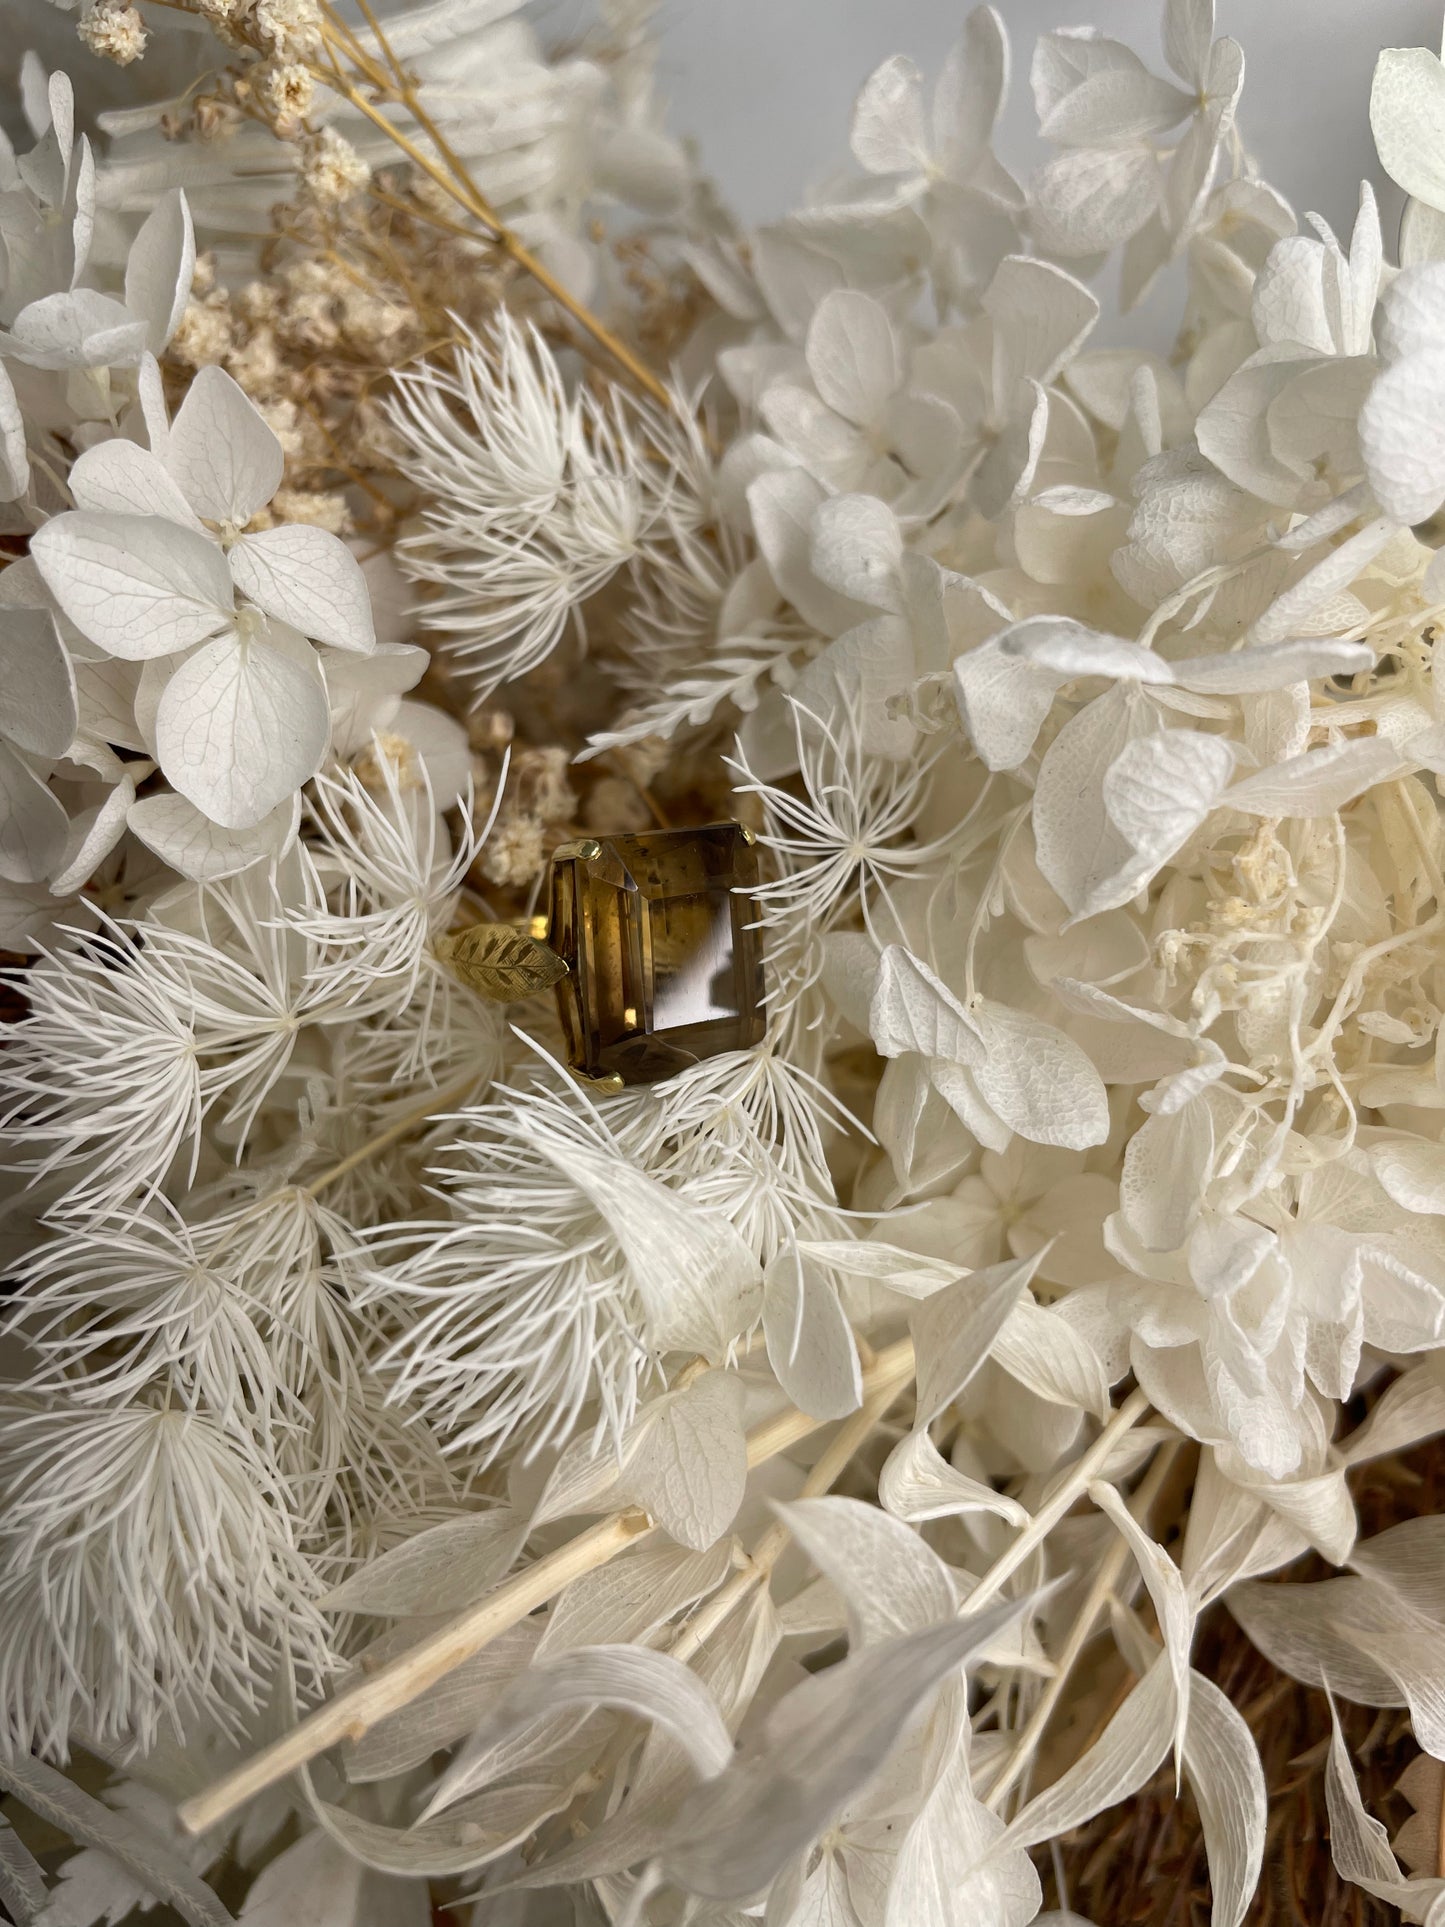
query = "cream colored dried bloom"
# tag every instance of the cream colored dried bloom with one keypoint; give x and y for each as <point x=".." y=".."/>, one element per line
<point x="513" y="855"/>
<point x="331" y="167"/>
<point x="388" y="762"/>
<point x="257" y="363"/>
<point x="212" y="118"/>
<point x="311" y="323"/>
<point x="204" y="334"/>
<point x="281" y="419"/>
<point x="289" y="30"/>
<point x="647" y="758"/>
<point x="258" y="301"/>
<point x="285" y="91"/>
<point x="314" y="276"/>
<point x="490" y="729"/>
<point x="317" y="508"/>
<point x="116" y="33"/>
<point x="541" y="778"/>
<point x="370" y="321"/>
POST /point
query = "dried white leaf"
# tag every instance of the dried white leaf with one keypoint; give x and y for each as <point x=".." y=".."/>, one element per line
<point x="1079" y="849"/>
<point x="439" y="1570"/>
<point x="632" y="1679"/>
<point x="816" y="1750"/>
<point x="690" y="1469"/>
<point x="472" y="1833"/>
<point x="1411" y="1170"/>
<point x="1125" y="1755"/>
<point x="310" y="579"/>
<point x="33" y="823"/>
<point x="1319" y="781"/>
<point x="917" y="1483"/>
<point x="445" y="1713"/>
<point x="241" y="725"/>
<point x="1360" y="1846"/>
<point x="317" y="1883"/>
<point x="195" y="847"/>
<point x="1161" y="788"/>
<point x="1407" y="110"/>
<point x="1041" y="1349"/>
<point x="810" y="1342"/>
<point x="954" y="1330"/>
<point x="948" y="1873"/>
<point x="893" y="1583"/>
<point x="120" y="478"/>
<point x="633" y="1595"/>
<point x="136" y="585"/>
<point x="123" y="1840"/>
<point x="38" y="712"/>
<point x="701" y="1284"/>
<point x="160" y="266"/>
<point x="1297" y="1627"/>
<point x="1166" y="1590"/>
<point x="1037" y="1080"/>
<point x="22" y="1883"/>
<point x="1222" y="1763"/>
<point x="226" y="459"/>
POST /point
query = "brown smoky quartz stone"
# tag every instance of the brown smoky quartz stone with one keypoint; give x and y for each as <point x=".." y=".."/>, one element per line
<point x="664" y="967"/>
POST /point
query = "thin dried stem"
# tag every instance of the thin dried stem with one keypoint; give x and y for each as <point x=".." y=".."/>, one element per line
<point x="1048" y="1515"/>
<point x="432" y="1105"/>
<point x="454" y="179"/>
<point x="1082" y="1630"/>
<point x="832" y="1462"/>
<point x="358" y="1709"/>
<point x="757" y="1568"/>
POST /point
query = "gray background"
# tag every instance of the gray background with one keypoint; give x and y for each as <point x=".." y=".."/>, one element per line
<point x="765" y="86"/>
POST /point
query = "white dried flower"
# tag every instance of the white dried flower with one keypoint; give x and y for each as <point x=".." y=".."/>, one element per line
<point x="564" y="1277"/>
<point x="331" y="167"/>
<point x="538" y="497"/>
<point x="149" y="1578"/>
<point x="204" y="334"/>
<point x="242" y="717"/>
<point x="514" y="852"/>
<point x="289" y="30"/>
<point x="284" y="90"/>
<point x="114" y="31"/>
<point x="1090" y="724"/>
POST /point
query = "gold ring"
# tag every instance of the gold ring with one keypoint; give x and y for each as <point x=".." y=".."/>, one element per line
<point x="651" y="944"/>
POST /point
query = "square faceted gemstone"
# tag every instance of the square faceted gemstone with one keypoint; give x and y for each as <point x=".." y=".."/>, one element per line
<point x="662" y="966"/>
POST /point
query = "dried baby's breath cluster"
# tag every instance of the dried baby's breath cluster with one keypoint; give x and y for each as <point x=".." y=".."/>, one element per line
<point x="820" y="1488"/>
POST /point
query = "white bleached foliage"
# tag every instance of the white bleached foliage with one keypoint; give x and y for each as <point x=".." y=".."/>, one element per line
<point x="1084" y="704"/>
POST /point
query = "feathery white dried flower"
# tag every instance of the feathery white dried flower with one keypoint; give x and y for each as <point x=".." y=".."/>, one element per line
<point x="536" y="497"/>
<point x="848" y="837"/>
<point x="137" y="1032"/>
<point x="562" y="1278"/>
<point x="385" y="858"/>
<point x="149" y="1577"/>
<point x="112" y="1305"/>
